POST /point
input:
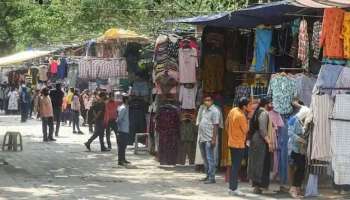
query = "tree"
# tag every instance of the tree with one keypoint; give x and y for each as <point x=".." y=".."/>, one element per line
<point x="28" y="23"/>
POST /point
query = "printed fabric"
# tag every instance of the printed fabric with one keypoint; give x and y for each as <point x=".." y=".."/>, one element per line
<point x="283" y="91"/>
<point x="316" y="39"/>
<point x="168" y="128"/>
<point x="213" y="73"/>
<point x="346" y="35"/>
<point x="331" y="30"/>
<point x="303" y="50"/>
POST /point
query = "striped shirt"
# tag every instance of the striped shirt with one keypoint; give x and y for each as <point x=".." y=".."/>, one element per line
<point x="321" y="107"/>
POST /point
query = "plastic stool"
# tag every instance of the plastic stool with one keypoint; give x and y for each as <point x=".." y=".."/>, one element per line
<point x="11" y="141"/>
<point x="137" y="137"/>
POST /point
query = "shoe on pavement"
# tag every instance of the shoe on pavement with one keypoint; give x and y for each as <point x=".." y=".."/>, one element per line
<point x="87" y="145"/>
<point x="121" y="163"/>
<point x="204" y="179"/>
<point x="74" y="132"/>
<point x="45" y="140"/>
<point x="210" y="182"/>
<point x="127" y="162"/>
<point x="51" y="139"/>
<point x="105" y="150"/>
<point x="236" y="193"/>
<point x="80" y="132"/>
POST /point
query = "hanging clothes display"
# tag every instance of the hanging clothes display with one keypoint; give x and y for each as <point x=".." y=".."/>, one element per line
<point x="303" y="47"/>
<point x="137" y="117"/>
<point x="316" y="34"/>
<point x="188" y="62"/>
<point x="102" y="68"/>
<point x="43" y="70"/>
<point x="346" y="35"/>
<point x="343" y="81"/>
<point x="168" y="128"/>
<point x="187" y="142"/>
<point x="321" y="107"/>
<point x="305" y="84"/>
<point x="263" y="39"/>
<point x="327" y="78"/>
<point x="332" y="29"/>
<point x="62" y="68"/>
<point x="53" y="66"/>
<point x="283" y="90"/>
<point x="213" y="68"/>
<point x="187" y="96"/>
<point x="340" y="137"/>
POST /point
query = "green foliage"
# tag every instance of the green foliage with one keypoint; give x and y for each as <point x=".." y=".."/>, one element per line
<point x="26" y="23"/>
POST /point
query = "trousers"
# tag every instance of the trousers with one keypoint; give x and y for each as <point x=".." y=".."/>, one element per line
<point x="99" y="132"/>
<point x="122" y="141"/>
<point x="57" y="118"/>
<point x="112" y="125"/>
<point x="236" y="159"/>
<point x="76" y="120"/>
<point x="207" y="152"/>
<point x="47" y="122"/>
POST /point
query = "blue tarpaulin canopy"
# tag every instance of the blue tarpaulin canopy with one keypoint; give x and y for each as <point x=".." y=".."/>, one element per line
<point x="271" y="14"/>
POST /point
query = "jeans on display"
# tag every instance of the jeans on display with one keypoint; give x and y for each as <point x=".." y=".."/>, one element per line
<point x="47" y="122"/>
<point x="76" y="120"/>
<point x="137" y="118"/>
<point x="236" y="158"/>
<point x="207" y="152"/>
<point x="283" y="151"/>
<point x="112" y="125"/>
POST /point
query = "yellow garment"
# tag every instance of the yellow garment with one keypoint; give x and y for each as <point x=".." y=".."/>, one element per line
<point x="346" y="35"/>
<point x="225" y="155"/>
<point x="69" y="98"/>
<point x="213" y="73"/>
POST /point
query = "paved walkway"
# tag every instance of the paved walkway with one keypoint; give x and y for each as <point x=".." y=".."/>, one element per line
<point x="65" y="170"/>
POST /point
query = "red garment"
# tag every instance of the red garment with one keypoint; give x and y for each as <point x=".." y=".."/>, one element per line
<point x="331" y="39"/>
<point x="53" y="67"/>
<point x="111" y="111"/>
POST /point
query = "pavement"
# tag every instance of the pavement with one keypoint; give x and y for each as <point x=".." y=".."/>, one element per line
<point x="65" y="170"/>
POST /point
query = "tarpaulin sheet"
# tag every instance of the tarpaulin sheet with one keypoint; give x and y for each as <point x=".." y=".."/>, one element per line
<point x="22" y="57"/>
<point x="270" y="14"/>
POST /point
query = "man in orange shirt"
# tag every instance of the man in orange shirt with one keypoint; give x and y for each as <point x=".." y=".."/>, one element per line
<point x="237" y="129"/>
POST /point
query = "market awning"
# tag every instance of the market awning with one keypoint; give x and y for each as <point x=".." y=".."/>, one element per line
<point x="122" y="35"/>
<point x="22" y="57"/>
<point x="271" y="13"/>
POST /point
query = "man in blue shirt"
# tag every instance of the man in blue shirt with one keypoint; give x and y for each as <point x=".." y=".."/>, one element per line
<point x="123" y="130"/>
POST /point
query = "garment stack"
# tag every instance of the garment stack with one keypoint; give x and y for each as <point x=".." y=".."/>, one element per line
<point x="329" y="141"/>
<point x="176" y="89"/>
<point x="166" y="79"/>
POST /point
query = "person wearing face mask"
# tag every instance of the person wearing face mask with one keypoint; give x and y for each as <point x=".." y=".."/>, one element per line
<point x="208" y="122"/>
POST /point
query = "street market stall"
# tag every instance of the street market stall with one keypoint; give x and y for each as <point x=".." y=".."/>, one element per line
<point x="276" y="50"/>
